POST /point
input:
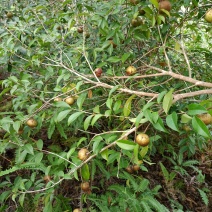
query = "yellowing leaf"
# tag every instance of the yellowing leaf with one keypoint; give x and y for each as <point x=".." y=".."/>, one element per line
<point x="127" y="106"/>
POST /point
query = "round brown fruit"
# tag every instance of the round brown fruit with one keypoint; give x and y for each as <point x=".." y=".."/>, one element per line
<point x="80" y="29"/>
<point x="9" y="15"/>
<point x="70" y="100"/>
<point x="85" y="186"/>
<point x="31" y="123"/>
<point x="164" y="5"/>
<point x="77" y="210"/>
<point x="98" y="72"/>
<point x="142" y="139"/>
<point x="136" y="167"/>
<point x="129" y="169"/>
<point x="83" y="154"/>
<point x="206" y="118"/>
<point x="57" y="99"/>
<point x="208" y="16"/>
<point x="47" y="178"/>
<point x="130" y="70"/>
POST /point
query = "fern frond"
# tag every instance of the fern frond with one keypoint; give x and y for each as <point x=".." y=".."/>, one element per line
<point x="145" y="207"/>
<point x="143" y="185"/>
<point x="203" y="196"/>
<point x="156" y="205"/>
<point x="117" y="188"/>
<point x="190" y="162"/>
<point x="8" y="171"/>
<point x="28" y="165"/>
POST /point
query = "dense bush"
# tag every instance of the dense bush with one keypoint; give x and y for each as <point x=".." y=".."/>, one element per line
<point x="93" y="75"/>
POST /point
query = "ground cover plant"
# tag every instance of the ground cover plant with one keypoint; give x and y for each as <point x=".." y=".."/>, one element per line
<point x="105" y="105"/>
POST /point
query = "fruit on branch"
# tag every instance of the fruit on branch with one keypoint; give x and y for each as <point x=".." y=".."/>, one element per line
<point x="208" y="16"/>
<point x="47" y="178"/>
<point x="80" y="29"/>
<point x="31" y="123"/>
<point x="85" y="186"/>
<point x="57" y="99"/>
<point x="142" y="139"/>
<point x="206" y="118"/>
<point x="70" y="100"/>
<point x="129" y="169"/>
<point x="98" y="72"/>
<point x="77" y="210"/>
<point x="136" y="22"/>
<point x="136" y="167"/>
<point x="130" y="70"/>
<point x="9" y="15"/>
<point x="134" y="2"/>
<point x="164" y="5"/>
<point x="83" y="154"/>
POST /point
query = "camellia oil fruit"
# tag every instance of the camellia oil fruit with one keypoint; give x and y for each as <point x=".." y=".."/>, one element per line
<point x="142" y="139"/>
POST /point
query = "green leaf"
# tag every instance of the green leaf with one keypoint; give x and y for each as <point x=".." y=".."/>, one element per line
<point x="117" y="105"/>
<point x="29" y="149"/>
<point x="16" y="125"/>
<point x="185" y="118"/>
<point x="96" y="109"/>
<point x="155" y="3"/>
<point x="109" y="103"/>
<point x="125" y="144"/>
<point x="200" y="128"/>
<point x="85" y="172"/>
<point x="144" y="151"/>
<point x="21" y="199"/>
<point x="194" y="109"/>
<point x="127" y="106"/>
<point x="39" y="144"/>
<point x="87" y="122"/>
<point x="95" y="118"/>
<point x="159" y="125"/>
<point x="113" y="90"/>
<point x="125" y="57"/>
<point x="171" y="121"/>
<point x="114" y="59"/>
<point x="62" y="104"/>
<point x="167" y="101"/>
<point x="138" y="118"/>
<point x="104" y="154"/>
<point x="73" y="117"/>
<point x="81" y="100"/>
<point x="96" y="145"/>
<point x="51" y="129"/>
<point x="62" y="115"/>
<point x="148" y="105"/>
<point x="61" y="130"/>
<point x="160" y="96"/>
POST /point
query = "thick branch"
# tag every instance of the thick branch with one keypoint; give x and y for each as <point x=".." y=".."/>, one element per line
<point x="177" y="97"/>
<point x="181" y="77"/>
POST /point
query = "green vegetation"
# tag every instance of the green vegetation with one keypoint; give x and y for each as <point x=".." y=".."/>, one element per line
<point x="105" y="105"/>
